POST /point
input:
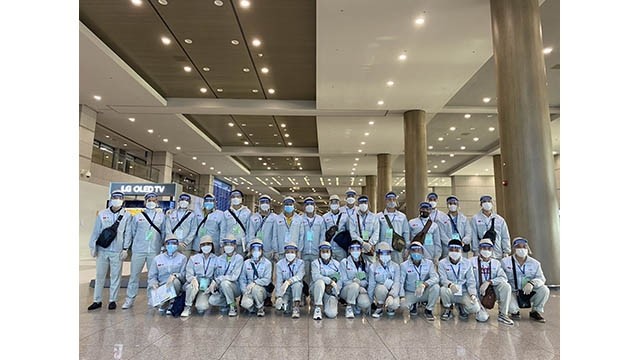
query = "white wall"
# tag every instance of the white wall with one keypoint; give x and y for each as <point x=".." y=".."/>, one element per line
<point x="468" y="190"/>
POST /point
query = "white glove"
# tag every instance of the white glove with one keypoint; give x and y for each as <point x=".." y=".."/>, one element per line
<point x="333" y="284"/>
<point x="284" y="286"/>
<point x="363" y="290"/>
<point x="388" y="283"/>
<point x="94" y="252"/>
<point x="194" y="283"/>
<point x="366" y="246"/>
<point x="454" y="288"/>
<point x="527" y="288"/>
<point x="170" y="278"/>
<point x="279" y="303"/>
<point x="212" y="287"/>
<point x="484" y="287"/>
<point x="505" y="256"/>
<point x="435" y="261"/>
<point x="388" y="301"/>
<point x="473" y="298"/>
<point x="420" y="290"/>
<point x="123" y="255"/>
<point x="154" y="285"/>
<point x="249" y="288"/>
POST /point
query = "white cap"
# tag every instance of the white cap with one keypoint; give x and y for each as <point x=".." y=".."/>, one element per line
<point x="334" y="197"/>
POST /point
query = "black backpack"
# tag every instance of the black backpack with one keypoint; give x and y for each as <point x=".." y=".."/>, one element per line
<point x="178" y="305"/>
<point x="109" y="234"/>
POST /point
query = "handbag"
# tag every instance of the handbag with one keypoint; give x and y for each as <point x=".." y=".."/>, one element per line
<point x="491" y="234"/>
<point x="328" y="235"/>
<point x="465" y="247"/>
<point x="398" y="243"/>
<point x="109" y="234"/>
<point x="488" y="301"/>
<point x="524" y="301"/>
<point x="420" y="236"/>
<point x="178" y="305"/>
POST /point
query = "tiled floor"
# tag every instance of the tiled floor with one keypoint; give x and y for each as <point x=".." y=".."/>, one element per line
<point x="139" y="333"/>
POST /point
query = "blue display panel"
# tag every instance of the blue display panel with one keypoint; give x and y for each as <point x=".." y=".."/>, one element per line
<point x="222" y="192"/>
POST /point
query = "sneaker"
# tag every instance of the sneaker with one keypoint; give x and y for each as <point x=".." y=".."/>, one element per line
<point x="429" y="314"/>
<point x="464" y="315"/>
<point x="279" y="303"/>
<point x="260" y="312"/>
<point x="357" y="311"/>
<point x="377" y="313"/>
<point x="414" y="310"/>
<point x="446" y="314"/>
<point x="515" y="315"/>
<point x="317" y="313"/>
<point x="391" y="313"/>
<point x="504" y="319"/>
<point x="348" y="312"/>
<point x="536" y="316"/>
<point x="233" y="311"/>
<point x="186" y="312"/>
<point x="95" y="305"/>
<point x="296" y="312"/>
<point x="112" y="305"/>
<point x="128" y="303"/>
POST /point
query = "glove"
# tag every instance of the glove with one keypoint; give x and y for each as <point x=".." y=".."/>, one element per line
<point x="527" y="288"/>
<point x="123" y="255"/>
<point x="154" y="285"/>
<point x="505" y="256"/>
<point x="249" y="288"/>
<point x="275" y="257"/>
<point x="388" y="283"/>
<point x="435" y="261"/>
<point x="366" y="246"/>
<point x="420" y="290"/>
<point x="194" y="284"/>
<point x="388" y="301"/>
<point x="279" y="303"/>
<point x="363" y="290"/>
<point x="284" y="286"/>
<point x="212" y="288"/>
<point x="454" y="288"/>
<point x="484" y="287"/>
<point x="171" y="277"/>
<point x="94" y="252"/>
<point x="333" y="284"/>
<point x="473" y="298"/>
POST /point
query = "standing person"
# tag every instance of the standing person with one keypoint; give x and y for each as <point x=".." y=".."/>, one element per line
<point x="111" y="250"/>
<point x="225" y="285"/>
<point x="288" y="228"/>
<point x="384" y="282"/>
<point x="262" y="225"/>
<point x="428" y="236"/>
<point x="145" y="236"/>
<point x="353" y="274"/>
<point x="168" y="268"/>
<point x="313" y="230"/>
<point x="255" y="278"/>
<point x="441" y="219"/>
<point x="209" y="222"/>
<point x="182" y="223"/>
<point x="350" y="206"/>
<point x="337" y="219"/>
<point x="489" y="273"/>
<point x="289" y="274"/>
<point x="525" y="274"/>
<point x="458" y="283"/>
<point x="326" y="283"/>
<point x="458" y="227"/>
<point x="366" y="228"/>
<point x="199" y="275"/>
<point x="419" y="281"/>
<point x="486" y="224"/>
<point x="399" y="225"/>
<point x="236" y="220"/>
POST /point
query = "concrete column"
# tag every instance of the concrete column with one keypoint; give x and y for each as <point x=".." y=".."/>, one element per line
<point x="525" y="131"/>
<point x="163" y="161"/>
<point x="372" y="188"/>
<point x="206" y="183"/>
<point x="384" y="178"/>
<point x="87" y="132"/>
<point x="497" y="177"/>
<point x="250" y="201"/>
<point x="415" y="159"/>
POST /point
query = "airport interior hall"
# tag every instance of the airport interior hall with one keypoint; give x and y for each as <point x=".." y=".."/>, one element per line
<point x="319" y="179"/>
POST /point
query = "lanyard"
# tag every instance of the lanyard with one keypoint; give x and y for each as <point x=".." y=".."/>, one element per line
<point x="291" y="270"/>
<point x="264" y="218"/>
<point x="523" y="268"/>
<point x="207" y="266"/>
<point x="228" y="264"/>
<point x="394" y="217"/>
<point x="286" y="223"/>
<point x="364" y="222"/>
<point x="311" y="223"/>
<point x="418" y="268"/>
<point x="324" y="266"/>
<point x="457" y="275"/>
<point x="435" y="215"/>
<point x="425" y="223"/>
<point x="333" y="217"/>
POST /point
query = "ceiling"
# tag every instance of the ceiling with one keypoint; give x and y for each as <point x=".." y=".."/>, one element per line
<point x="324" y="61"/>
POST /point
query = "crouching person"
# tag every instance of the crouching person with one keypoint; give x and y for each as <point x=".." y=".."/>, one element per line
<point x="290" y="272"/>
<point x="199" y="274"/>
<point x="384" y="282"/>
<point x="458" y="283"/>
<point x="255" y="277"/>
<point x="490" y="275"/>
<point x="224" y="287"/>
<point x="419" y="281"/>
<point x="353" y="273"/>
<point x="168" y="268"/>
<point x="325" y="277"/>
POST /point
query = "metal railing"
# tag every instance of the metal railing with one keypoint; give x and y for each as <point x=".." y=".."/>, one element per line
<point x="114" y="161"/>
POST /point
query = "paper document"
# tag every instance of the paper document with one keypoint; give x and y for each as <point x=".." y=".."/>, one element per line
<point x="162" y="294"/>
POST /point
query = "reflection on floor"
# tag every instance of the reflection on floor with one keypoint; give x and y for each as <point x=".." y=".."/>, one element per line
<point x="141" y="333"/>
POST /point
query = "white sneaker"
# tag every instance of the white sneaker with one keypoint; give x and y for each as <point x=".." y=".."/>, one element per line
<point x="128" y="303"/>
<point x="261" y="312"/>
<point x="186" y="312"/>
<point x="296" y="312"/>
<point x="376" y="314"/>
<point x="317" y="313"/>
<point x="279" y="303"/>
<point x="349" y="312"/>
<point x="233" y="311"/>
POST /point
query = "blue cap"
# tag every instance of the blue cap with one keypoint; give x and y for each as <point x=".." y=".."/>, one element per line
<point x="150" y="194"/>
<point x="520" y="240"/>
<point x="390" y="194"/>
<point x="485" y="198"/>
<point x="432" y="195"/>
<point x="291" y="246"/>
<point x="184" y="196"/>
<point x="324" y="245"/>
<point x="452" y="197"/>
<point x="229" y="239"/>
<point x="237" y="192"/>
<point x="117" y="193"/>
<point x="309" y="200"/>
<point x="425" y="204"/>
<point x="363" y="198"/>
<point x="350" y="192"/>
<point x="288" y="199"/>
<point x="264" y="197"/>
<point x="209" y="196"/>
<point x="455" y="243"/>
<point x="355" y="244"/>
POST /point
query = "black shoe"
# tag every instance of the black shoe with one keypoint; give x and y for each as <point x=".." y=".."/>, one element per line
<point x="462" y="313"/>
<point x="112" y="305"/>
<point x="414" y="309"/>
<point x="429" y="314"/>
<point x="446" y="314"/>
<point x="536" y="316"/>
<point x="95" y="305"/>
<point x="267" y="302"/>
<point x="515" y="315"/>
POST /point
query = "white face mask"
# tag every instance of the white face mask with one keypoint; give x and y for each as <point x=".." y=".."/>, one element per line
<point x="486" y="253"/>
<point x="309" y="208"/>
<point x="385" y="258"/>
<point x="325" y="256"/>
<point x="363" y="207"/>
<point x="183" y="204"/>
<point x="455" y="255"/>
<point x="151" y="205"/>
<point x="116" y="203"/>
<point x="521" y="252"/>
<point x="487" y="206"/>
<point x="264" y="207"/>
<point x="290" y="257"/>
<point x="256" y="254"/>
<point x="334" y="207"/>
<point x="392" y="205"/>
<point x="206" y="249"/>
<point x="228" y="249"/>
<point x="453" y="207"/>
<point x="355" y="255"/>
<point x="351" y="200"/>
<point x="433" y="204"/>
<point x="236" y="201"/>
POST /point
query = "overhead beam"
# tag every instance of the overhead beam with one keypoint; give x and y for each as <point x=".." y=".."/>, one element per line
<point x="482" y="110"/>
<point x="493" y="147"/>
<point x="269" y="151"/>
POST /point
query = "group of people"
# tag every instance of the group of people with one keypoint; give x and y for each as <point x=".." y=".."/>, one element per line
<point x="389" y="262"/>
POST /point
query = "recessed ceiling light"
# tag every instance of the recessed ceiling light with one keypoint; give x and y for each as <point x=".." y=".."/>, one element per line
<point x="211" y="168"/>
<point x="230" y="124"/>
<point x="239" y="134"/>
<point x="453" y="128"/>
<point x="352" y="173"/>
<point x="472" y="128"/>
<point x="492" y="129"/>
<point x="547" y="50"/>
<point x="554" y="153"/>
<point x="271" y="91"/>
<point x="235" y="42"/>
<point x="476" y="139"/>
<point x="430" y="147"/>
<point x="246" y="69"/>
<point x="204" y="163"/>
<point x="97" y="97"/>
<point x="435" y="166"/>
<point x="486" y="100"/>
<point x="283" y="125"/>
<point x="301" y="169"/>
<point x="219" y="89"/>
<point x="359" y="150"/>
<point x="107" y="136"/>
<point x="165" y="40"/>
<point x="286" y="135"/>
<point x="194" y="158"/>
<point x="206" y="69"/>
<point x="366" y="134"/>
<point x="363" y="143"/>
<point x="203" y="90"/>
<point x="260" y="55"/>
<point x="254" y="91"/>
<point x="419" y="21"/>
<point x="219" y="172"/>
<point x="489" y="116"/>
<point x="245" y="3"/>
<point x="451" y="155"/>
<point x="427" y="171"/>
<point x="264" y="70"/>
<point x="165" y="140"/>
<point x="380" y="102"/>
<point x="150" y="131"/>
<point x="136" y="2"/>
<point x="289" y="143"/>
<point x="246" y="143"/>
<point x="402" y="57"/>
<point x="188" y="41"/>
<point x="163" y="2"/>
<point x="371" y="122"/>
<point x="218" y="2"/>
<point x="463" y="147"/>
<point x="178" y="148"/>
<point x="126" y="145"/>
<point x="443" y="161"/>
<point x="353" y="169"/>
<point x="390" y="83"/>
<point x="440" y="138"/>
<point x="256" y="42"/>
<point x="132" y="119"/>
<point x="467" y="116"/>
<point x="187" y="68"/>
<point x="268" y="167"/>
<point x="355" y="164"/>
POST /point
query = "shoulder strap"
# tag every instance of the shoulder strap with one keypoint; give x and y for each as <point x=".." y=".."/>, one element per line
<point x="426" y="227"/>
<point x="255" y="270"/>
<point x="455" y="227"/>
<point x="515" y="278"/>
<point x="201" y="223"/>
<point x="184" y="217"/>
<point x="151" y="222"/>
<point x="339" y="216"/>
<point x="237" y="220"/>
<point x="493" y="224"/>
<point x="388" y="221"/>
<point x="359" y="229"/>
<point x="480" y="270"/>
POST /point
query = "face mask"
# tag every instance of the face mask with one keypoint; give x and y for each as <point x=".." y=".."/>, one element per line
<point x="236" y="201"/>
<point x="392" y="205"/>
<point x="351" y="200"/>
<point x="455" y="256"/>
<point x="228" y="249"/>
<point x="487" y="206"/>
<point x="288" y="208"/>
<point x="151" y="205"/>
<point x="325" y="256"/>
<point x="116" y="203"/>
<point x="171" y="248"/>
<point x="264" y="207"/>
<point x="453" y="207"/>
<point x="521" y="252"/>
<point x="385" y="258"/>
<point x="183" y="204"/>
<point x="206" y="249"/>
<point x="424" y="214"/>
<point x="355" y="254"/>
<point x="433" y="204"/>
<point x="209" y="205"/>
<point x="485" y="253"/>
<point x="256" y="254"/>
<point x="416" y="256"/>
<point x="334" y="207"/>
<point x="363" y="207"/>
<point x="309" y="208"/>
<point x="290" y="257"/>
